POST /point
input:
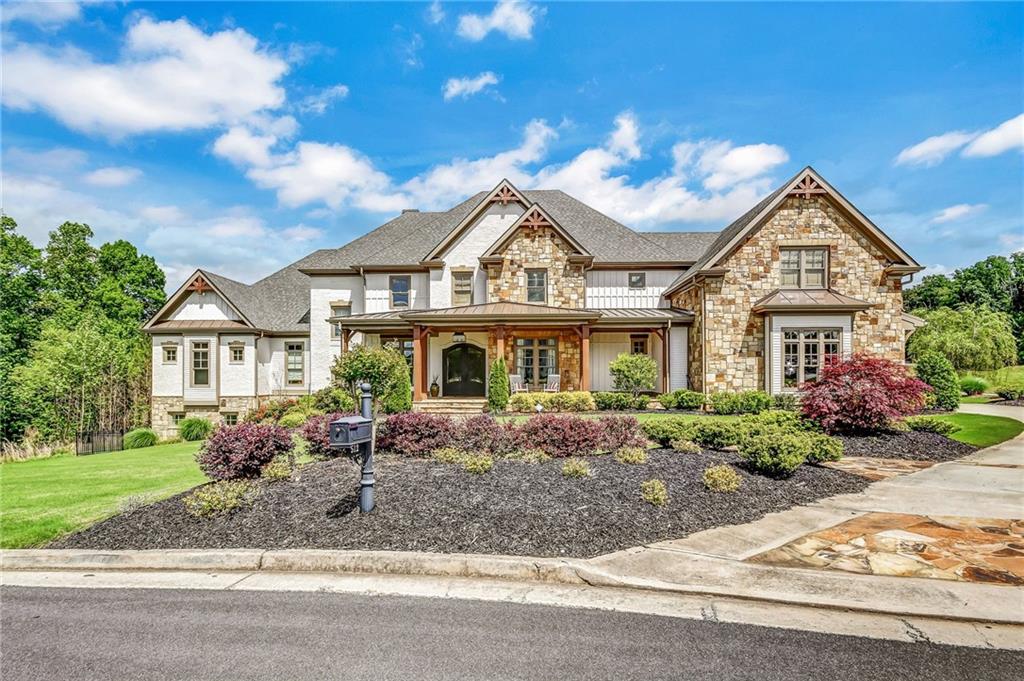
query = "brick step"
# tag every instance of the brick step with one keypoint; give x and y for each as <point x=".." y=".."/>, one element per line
<point x="451" y="406"/>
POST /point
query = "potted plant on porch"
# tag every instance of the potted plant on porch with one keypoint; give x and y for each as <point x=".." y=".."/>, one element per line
<point x="435" y="388"/>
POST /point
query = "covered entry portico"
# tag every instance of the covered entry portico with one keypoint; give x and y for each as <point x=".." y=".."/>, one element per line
<point x="456" y="346"/>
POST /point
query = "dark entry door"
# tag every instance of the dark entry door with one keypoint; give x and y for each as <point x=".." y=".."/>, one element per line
<point x="464" y="369"/>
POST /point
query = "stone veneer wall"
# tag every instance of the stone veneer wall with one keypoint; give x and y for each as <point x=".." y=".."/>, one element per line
<point x="162" y="407"/>
<point x="532" y="248"/>
<point x="693" y="300"/>
<point x="734" y="335"/>
<point x="569" y="352"/>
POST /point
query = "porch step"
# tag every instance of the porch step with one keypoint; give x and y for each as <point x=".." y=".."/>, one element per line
<point x="451" y="406"/>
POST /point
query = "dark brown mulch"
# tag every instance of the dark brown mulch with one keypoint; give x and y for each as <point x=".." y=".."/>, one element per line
<point x="915" y="446"/>
<point x="517" y="508"/>
<point x="1009" y="403"/>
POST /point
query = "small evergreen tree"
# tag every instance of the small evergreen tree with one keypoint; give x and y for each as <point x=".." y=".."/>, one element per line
<point x="498" y="388"/>
<point x="937" y="371"/>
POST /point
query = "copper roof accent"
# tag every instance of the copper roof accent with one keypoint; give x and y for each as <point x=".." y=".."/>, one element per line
<point x="820" y="300"/>
<point x="644" y="314"/>
<point x="501" y="311"/>
<point x="198" y="324"/>
<point x="513" y="313"/>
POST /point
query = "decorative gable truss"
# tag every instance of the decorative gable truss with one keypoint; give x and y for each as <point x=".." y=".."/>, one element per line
<point x="202" y="284"/>
<point x="504" y="194"/>
<point x="536" y="220"/>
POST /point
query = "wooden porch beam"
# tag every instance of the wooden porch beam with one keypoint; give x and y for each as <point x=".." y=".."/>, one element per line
<point x="499" y="336"/>
<point x="663" y="334"/>
<point x="346" y="336"/>
<point x="419" y="363"/>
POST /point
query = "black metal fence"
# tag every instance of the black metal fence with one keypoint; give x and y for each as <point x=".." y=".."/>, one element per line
<point x="98" y="441"/>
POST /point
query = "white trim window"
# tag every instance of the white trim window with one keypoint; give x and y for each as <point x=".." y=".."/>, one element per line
<point x="462" y="287"/>
<point x="170" y="354"/>
<point x="295" y="363"/>
<point x="339" y="310"/>
<point x="236" y="353"/>
<point x="805" y="352"/>
<point x="804" y="267"/>
<point x="200" y="364"/>
<point x="536" y="286"/>
<point x="400" y="290"/>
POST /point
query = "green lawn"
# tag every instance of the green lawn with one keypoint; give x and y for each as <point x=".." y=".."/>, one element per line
<point x="997" y="377"/>
<point x="982" y="430"/>
<point x="41" y="499"/>
<point x="977" y="399"/>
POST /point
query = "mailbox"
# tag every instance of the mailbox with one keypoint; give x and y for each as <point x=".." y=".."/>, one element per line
<point x="349" y="431"/>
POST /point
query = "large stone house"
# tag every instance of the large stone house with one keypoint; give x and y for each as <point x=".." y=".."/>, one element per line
<point x="555" y="287"/>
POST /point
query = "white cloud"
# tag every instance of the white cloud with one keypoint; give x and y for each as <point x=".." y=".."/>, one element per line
<point x="1000" y="139"/>
<point x="112" y="176"/>
<point x="514" y="18"/>
<point x="171" y="76"/>
<point x="1012" y="241"/>
<point x="1003" y="138"/>
<point x="55" y="159"/>
<point x="319" y="102"/>
<point x="725" y="165"/>
<point x="960" y="210"/>
<point x="465" y="87"/>
<point x="243" y="147"/>
<point x="44" y="14"/>
<point x="302" y="232"/>
<point x="435" y="13"/>
<point x="934" y="149"/>
<point x="162" y="214"/>
<point x="408" y="47"/>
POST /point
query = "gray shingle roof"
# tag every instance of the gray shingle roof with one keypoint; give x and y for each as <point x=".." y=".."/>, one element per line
<point x="279" y="302"/>
<point x="686" y="246"/>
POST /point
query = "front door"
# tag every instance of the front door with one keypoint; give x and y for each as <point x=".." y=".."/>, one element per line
<point x="464" y="368"/>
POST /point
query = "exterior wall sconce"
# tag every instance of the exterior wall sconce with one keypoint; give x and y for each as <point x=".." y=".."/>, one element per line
<point x="458" y="337"/>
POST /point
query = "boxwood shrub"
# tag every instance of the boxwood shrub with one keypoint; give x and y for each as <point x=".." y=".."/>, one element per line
<point x="1010" y="392"/>
<point x="930" y="425"/>
<point x="665" y="430"/>
<point x="573" y="401"/>
<point x="746" y="402"/>
<point x="689" y="400"/>
<point x="194" y="428"/>
<point x="775" y="455"/>
<point x="609" y="401"/>
<point x="140" y="437"/>
<point x="938" y="372"/>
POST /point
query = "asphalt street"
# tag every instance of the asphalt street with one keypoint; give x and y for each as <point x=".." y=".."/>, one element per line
<point x="51" y="634"/>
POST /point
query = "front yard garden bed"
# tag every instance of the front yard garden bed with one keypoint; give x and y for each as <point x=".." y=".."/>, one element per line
<point x="517" y="508"/>
<point x="913" y="446"/>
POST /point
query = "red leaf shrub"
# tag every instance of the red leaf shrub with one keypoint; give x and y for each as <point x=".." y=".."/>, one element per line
<point x="416" y="433"/>
<point x="484" y="433"/>
<point x="317" y="432"/>
<point x="242" y="451"/>
<point x="620" y="432"/>
<point x="861" y="394"/>
<point x="561" y="435"/>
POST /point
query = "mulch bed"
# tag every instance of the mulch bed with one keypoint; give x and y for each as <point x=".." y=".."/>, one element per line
<point x="517" y="508"/>
<point x="914" y="446"/>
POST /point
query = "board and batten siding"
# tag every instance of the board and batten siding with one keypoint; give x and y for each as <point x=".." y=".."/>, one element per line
<point x="610" y="288"/>
<point x="605" y="347"/>
<point x="204" y="306"/>
<point x="677" y="359"/>
<point x="780" y="322"/>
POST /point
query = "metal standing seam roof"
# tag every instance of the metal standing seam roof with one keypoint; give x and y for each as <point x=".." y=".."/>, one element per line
<point x="517" y="312"/>
<point x="800" y="299"/>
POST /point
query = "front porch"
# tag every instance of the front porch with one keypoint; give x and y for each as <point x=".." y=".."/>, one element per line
<point x="451" y="350"/>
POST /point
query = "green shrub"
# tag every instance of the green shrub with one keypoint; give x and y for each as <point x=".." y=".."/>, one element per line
<point x="293" y="419"/>
<point x="631" y="455"/>
<point x="786" y="402"/>
<point x="477" y="464"/>
<point x="774" y="454"/>
<point x="278" y="469"/>
<point x="746" y="402"/>
<point x="654" y="492"/>
<point x="1010" y="392"/>
<point x="633" y="373"/>
<point x="823" y="448"/>
<point x="220" y="497"/>
<point x="973" y="338"/>
<point x="689" y="400"/>
<point x="557" y="402"/>
<point x="716" y="434"/>
<point x="449" y="455"/>
<point x="397" y="399"/>
<point x="620" y="401"/>
<point x="333" y="400"/>
<point x="194" y="429"/>
<point x="385" y="369"/>
<point x="575" y="468"/>
<point x="972" y="385"/>
<point x="684" y="446"/>
<point x="497" y="386"/>
<point x="774" y="420"/>
<point x="937" y="371"/>
<point x="721" y="478"/>
<point x="529" y="455"/>
<point x="898" y="426"/>
<point x="140" y="437"/>
<point x="664" y="431"/>
<point x="930" y="425"/>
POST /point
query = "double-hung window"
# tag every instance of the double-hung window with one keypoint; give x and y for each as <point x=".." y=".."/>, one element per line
<point x="804" y="267"/>
<point x="536" y="286"/>
<point x="200" y="363"/>
<point x="295" y="363"/>
<point x="400" y="290"/>
<point x="805" y="352"/>
<point x="339" y="310"/>
<point x="462" y="287"/>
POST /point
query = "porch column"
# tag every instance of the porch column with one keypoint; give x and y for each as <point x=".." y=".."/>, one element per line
<point x="499" y="337"/>
<point x="346" y="335"/>
<point x="665" y="387"/>
<point x="419" y="363"/>
<point x="585" y="357"/>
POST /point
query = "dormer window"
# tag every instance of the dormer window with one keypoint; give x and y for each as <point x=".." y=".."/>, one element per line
<point x="400" y="288"/>
<point x="804" y="267"/>
<point x="536" y="286"/>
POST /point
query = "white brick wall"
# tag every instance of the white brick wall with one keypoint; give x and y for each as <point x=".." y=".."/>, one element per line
<point x="167" y="377"/>
<point x="464" y="253"/>
<point x="204" y="306"/>
<point x="237" y="379"/>
<point x="323" y="347"/>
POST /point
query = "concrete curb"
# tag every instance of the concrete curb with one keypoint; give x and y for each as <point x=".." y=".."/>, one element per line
<point x="969" y="603"/>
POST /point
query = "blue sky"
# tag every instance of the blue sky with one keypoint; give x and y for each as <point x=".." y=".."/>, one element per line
<point x="241" y="136"/>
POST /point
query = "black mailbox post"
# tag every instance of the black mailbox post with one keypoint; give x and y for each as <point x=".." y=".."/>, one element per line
<point x="355" y="434"/>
